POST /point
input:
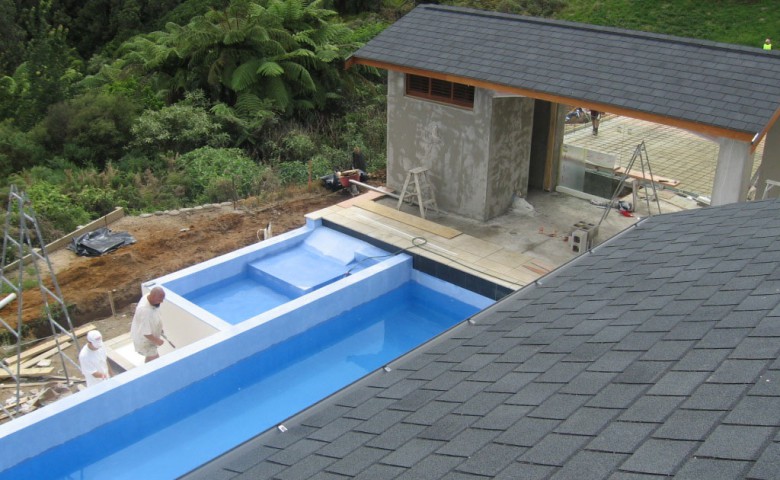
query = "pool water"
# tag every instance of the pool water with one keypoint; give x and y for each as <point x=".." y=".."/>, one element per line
<point x="194" y="425"/>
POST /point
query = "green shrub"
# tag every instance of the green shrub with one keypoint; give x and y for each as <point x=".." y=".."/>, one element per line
<point x="291" y="173"/>
<point x="99" y="201"/>
<point x="89" y="130"/>
<point x="179" y="128"/>
<point x="210" y="169"/>
<point x="50" y="204"/>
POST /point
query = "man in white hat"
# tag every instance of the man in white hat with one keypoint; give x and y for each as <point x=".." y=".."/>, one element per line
<point x="94" y="364"/>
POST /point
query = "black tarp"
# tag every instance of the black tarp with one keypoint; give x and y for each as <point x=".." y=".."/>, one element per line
<point x="99" y="242"/>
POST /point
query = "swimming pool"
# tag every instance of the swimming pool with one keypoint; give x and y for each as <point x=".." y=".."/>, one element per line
<point x="191" y="426"/>
<point x="201" y="400"/>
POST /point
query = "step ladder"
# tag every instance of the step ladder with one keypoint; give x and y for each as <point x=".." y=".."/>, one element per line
<point x="418" y="188"/>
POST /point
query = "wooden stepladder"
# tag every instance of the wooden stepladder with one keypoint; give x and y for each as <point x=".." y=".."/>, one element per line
<point x="417" y="187"/>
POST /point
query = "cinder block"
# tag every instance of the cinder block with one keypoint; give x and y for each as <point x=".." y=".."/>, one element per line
<point x="580" y="241"/>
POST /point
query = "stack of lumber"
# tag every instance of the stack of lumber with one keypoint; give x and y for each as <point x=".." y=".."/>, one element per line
<point x="27" y="361"/>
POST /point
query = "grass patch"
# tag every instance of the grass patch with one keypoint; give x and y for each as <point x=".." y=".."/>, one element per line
<point x="742" y="22"/>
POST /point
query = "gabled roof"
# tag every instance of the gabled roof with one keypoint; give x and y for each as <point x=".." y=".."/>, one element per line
<point x="715" y="88"/>
<point x="654" y="354"/>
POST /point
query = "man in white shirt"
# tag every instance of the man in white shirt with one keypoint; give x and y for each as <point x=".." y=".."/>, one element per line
<point x="147" y="330"/>
<point x="94" y="364"/>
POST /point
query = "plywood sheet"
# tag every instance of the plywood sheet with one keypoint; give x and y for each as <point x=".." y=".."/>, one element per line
<point x="417" y="222"/>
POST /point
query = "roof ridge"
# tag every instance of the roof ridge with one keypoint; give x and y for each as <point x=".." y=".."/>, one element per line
<point x="662" y="37"/>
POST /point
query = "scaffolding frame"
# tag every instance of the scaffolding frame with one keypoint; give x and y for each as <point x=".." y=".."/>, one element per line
<point x="24" y="248"/>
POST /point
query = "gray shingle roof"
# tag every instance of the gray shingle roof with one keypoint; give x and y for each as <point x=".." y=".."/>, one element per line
<point x="700" y="82"/>
<point x="619" y="377"/>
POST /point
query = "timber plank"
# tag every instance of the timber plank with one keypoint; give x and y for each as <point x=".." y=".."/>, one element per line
<point x="398" y="216"/>
<point x="53" y="351"/>
<point x="38" y="349"/>
<point x="29" y="372"/>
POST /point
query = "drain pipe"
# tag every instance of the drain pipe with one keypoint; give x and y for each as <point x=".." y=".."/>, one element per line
<point x="370" y="187"/>
<point x="10" y="298"/>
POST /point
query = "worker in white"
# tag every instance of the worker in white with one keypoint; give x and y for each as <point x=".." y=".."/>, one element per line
<point x="146" y="329"/>
<point x="94" y="364"/>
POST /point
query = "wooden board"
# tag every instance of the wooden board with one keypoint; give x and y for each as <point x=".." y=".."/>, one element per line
<point x="417" y="222"/>
<point x="53" y="351"/>
<point x="29" y="372"/>
<point x="40" y="348"/>
<point x="656" y="178"/>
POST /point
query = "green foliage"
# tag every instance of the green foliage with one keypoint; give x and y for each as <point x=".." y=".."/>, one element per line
<point x="283" y="51"/>
<point x="537" y="8"/>
<point x="46" y="77"/>
<point x="51" y="204"/>
<point x="212" y="169"/>
<point x="17" y="149"/>
<point x="730" y="21"/>
<point x="297" y="145"/>
<point x="178" y="128"/>
<point x="99" y="201"/>
<point x="89" y="130"/>
<point x="292" y="172"/>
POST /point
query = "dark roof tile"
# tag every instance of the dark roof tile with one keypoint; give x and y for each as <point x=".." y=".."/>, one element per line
<point x="431" y="467"/>
<point x="659" y="457"/>
<point x="447" y="427"/>
<point x="587" y="421"/>
<point x="394" y="437"/>
<point x="357" y="461"/>
<point x="688" y="425"/>
<point x="738" y="371"/>
<point x="412" y="452"/>
<point x="380" y="472"/>
<point x="431" y="413"/>
<point x="650" y="409"/>
<point x="702" y="360"/>
<point x="713" y="469"/>
<point x="616" y="396"/>
<point x="554" y="449"/>
<point x="678" y="383"/>
<point x="755" y="410"/>
<point x="622" y="437"/>
<point x="768" y="464"/>
<point x="586" y="464"/>
<point x="588" y="383"/>
<point x="735" y="442"/>
<point x="490" y="460"/>
<point x="527" y="432"/>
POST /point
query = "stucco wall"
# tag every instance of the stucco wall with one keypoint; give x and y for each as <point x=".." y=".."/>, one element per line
<point x="510" y="152"/>
<point x="477" y="158"/>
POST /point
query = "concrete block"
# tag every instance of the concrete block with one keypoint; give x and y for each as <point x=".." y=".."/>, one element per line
<point x="580" y="241"/>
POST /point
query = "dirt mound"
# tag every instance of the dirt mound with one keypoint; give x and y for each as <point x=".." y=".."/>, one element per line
<point x="164" y="244"/>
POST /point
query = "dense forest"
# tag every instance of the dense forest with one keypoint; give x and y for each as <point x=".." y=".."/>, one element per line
<point x="155" y="105"/>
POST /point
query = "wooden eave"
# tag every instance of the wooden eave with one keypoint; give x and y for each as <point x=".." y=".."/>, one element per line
<point x="753" y="139"/>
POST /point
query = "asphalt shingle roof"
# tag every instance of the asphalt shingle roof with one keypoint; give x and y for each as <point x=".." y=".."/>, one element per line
<point x="618" y="378"/>
<point x="699" y="82"/>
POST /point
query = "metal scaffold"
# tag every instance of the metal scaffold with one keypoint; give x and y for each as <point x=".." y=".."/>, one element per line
<point x="23" y="244"/>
